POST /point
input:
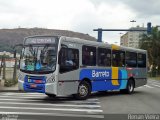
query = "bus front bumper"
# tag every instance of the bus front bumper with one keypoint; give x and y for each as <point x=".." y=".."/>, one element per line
<point x="49" y="88"/>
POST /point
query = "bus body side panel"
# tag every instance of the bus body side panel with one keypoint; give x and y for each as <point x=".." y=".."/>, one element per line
<point x="139" y="75"/>
<point x="105" y="79"/>
<point x="68" y="83"/>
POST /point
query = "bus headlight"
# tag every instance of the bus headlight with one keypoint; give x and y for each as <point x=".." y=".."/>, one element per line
<point x="51" y="79"/>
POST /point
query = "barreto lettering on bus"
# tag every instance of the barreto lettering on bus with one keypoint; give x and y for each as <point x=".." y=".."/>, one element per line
<point x="62" y="66"/>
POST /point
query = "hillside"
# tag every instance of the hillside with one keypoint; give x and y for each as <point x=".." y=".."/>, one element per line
<point x="10" y="37"/>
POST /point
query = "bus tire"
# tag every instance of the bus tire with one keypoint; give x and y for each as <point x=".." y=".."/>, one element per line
<point x="51" y="95"/>
<point x="130" y="87"/>
<point x="84" y="90"/>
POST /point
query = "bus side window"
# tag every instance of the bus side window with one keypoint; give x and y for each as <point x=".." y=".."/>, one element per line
<point x="131" y="59"/>
<point x="104" y="57"/>
<point x="118" y="58"/>
<point x="68" y="59"/>
<point x="89" y="55"/>
<point x="141" y="60"/>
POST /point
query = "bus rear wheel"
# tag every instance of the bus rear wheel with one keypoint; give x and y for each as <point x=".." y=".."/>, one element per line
<point x="84" y="90"/>
<point x="130" y="87"/>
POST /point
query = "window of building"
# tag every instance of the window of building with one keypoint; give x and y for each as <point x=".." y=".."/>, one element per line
<point x="131" y="59"/>
<point x="118" y="58"/>
<point x="141" y="60"/>
<point x="89" y="55"/>
<point x="104" y="57"/>
<point x="68" y="59"/>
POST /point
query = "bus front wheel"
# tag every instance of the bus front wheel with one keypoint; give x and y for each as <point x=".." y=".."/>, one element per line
<point x="51" y="95"/>
<point x="84" y="90"/>
<point x="130" y="87"/>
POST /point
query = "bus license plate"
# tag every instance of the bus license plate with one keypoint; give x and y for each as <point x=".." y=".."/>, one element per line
<point x="33" y="85"/>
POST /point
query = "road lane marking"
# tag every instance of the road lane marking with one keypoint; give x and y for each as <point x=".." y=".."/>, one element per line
<point x="140" y="87"/>
<point x="53" y="114"/>
<point x="154" y="81"/>
<point x="40" y="95"/>
<point x="43" y="100"/>
<point x="156" y="85"/>
<point x="55" y="109"/>
<point x="9" y="93"/>
<point x="57" y="105"/>
<point x="18" y="96"/>
<point x="148" y="86"/>
<point x="74" y="102"/>
<point x="36" y="95"/>
<point x="18" y="100"/>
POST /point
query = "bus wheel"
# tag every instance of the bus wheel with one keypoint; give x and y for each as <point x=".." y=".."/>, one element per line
<point x="84" y="90"/>
<point x="130" y="87"/>
<point x="51" y="95"/>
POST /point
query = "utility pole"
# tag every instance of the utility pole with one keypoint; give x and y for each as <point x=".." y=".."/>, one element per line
<point x="100" y="30"/>
<point x="15" y="68"/>
<point x="4" y="67"/>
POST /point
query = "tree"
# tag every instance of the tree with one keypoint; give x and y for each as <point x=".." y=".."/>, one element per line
<point x="151" y="43"/>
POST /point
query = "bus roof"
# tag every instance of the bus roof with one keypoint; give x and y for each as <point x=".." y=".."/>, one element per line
<point x="89" y="42"/>
<point x="102" y="44"/>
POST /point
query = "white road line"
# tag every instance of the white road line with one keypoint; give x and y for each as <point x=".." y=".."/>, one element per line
<point x="29" y="100"/>
<point x="36" y="95"/>
<point x="41" y="97"/>
<point x="158" y="81"/>
<point x="18" y="97"/>
<point x="56" y="105"/>
<point x="24" y="93"/>
<point x="19" y="100"/>
<point x="52" y="114"/>
<point x="156" y="85"/>
<point x="55" y="109"/>
<point x="148" y="86"/>
<point x="140" y="87"/>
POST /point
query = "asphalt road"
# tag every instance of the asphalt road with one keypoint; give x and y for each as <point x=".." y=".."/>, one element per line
<point x="109" y="105"/>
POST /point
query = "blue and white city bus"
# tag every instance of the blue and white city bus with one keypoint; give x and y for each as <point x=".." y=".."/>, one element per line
<point x="61" y="66"/>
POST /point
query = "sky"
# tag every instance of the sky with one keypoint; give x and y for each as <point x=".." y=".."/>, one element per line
<point x="80" y="15"/>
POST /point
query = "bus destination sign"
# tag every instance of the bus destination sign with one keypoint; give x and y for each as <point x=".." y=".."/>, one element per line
<point x="47" y="40"/>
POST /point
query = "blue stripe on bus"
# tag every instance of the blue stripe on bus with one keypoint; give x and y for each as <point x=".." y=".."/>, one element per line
<point x="101" y="79"/>
<point x="124" y="79"/>
<point x="100" y="75"/>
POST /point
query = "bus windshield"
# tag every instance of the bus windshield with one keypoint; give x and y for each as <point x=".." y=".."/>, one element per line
<point x="38" y="58"/>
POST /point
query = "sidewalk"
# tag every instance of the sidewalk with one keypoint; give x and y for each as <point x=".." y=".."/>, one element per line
<point x="8" y="89"/>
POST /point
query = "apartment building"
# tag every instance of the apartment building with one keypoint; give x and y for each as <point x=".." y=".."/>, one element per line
<point x="132" y="38"/>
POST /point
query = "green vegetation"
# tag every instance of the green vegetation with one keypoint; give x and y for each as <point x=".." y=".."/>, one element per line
<point x="10" y="82"/>
<point x="151" y="43"/>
